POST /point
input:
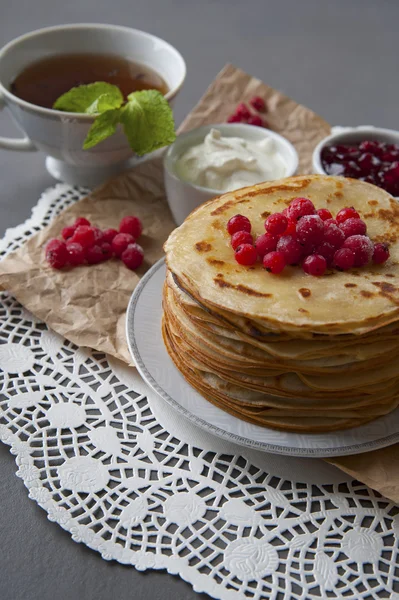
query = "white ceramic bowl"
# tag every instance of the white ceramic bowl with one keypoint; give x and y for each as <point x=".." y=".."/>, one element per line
<point x="183" y="197"/>
<point x="349" y="135"/>
<point x="60" y="135"/>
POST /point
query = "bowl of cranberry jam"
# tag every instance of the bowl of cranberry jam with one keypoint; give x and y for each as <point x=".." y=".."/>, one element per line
<point x="370" y="154"/>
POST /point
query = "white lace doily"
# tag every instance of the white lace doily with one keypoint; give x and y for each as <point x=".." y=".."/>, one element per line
<point x="111" y="464"/>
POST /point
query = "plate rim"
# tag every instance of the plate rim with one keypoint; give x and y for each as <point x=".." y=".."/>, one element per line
<point x="213" y="429"/>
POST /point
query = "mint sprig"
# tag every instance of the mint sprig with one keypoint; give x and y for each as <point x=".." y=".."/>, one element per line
<point x="146" y="116"/>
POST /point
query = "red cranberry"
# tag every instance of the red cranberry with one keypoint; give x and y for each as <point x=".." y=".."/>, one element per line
<point x="83" y="235"/>
<point x="276" y="224"/>
<point x="315" y="265"/>
<point x="333" y="235"/>
<point x="109" y="234"/>
<point x="56" y="254"/>
<point x="310" y="229"/>
<point x="106" y="249"/>
<point x="258" y="104"/>
<point x="353" y="227"/>
<point x="291" y="228"/>
<point x="246" y="255"/>
<point x="362" y="247"/>
<point x="238" y="223"/>
<point x="131" y="225"/>
<point x="265" y="243"/>
<point x="300" y="207"/>
<point x="94" y="255"/>
<point x="121" y="242"/>
<point x="81" y="221"/>
<point x="324" y="214"/>
<point x="347" y="213"/>
<point x="76" y="253"/>
<point x="241" y="237"/>
<point x="290" y="248"/>
<point x="330" y="222"/>
<point x="344" y="259"/>
<point x="234" y="119"/>
<point x="68" y="232"/>
<point x="274" y="262"/>
<point x="327" y="251"/>
<point x="243" y="111"/>
<point x="133" y="256"/>
<point x="98" y="235"/>
<point x="380" y="254"/>
<point x="255" y="120"/>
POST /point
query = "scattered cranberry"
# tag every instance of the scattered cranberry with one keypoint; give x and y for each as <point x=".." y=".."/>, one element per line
<point x="76" y="253"/>
<point x="327" y="251"/>
<point x="241" y="237"/>
<point x="121" y="242"/>
<point x="258" y="104"/>
<point x="255" y="120"/>
<point x="94" y="255"/>
<point x="234" y="119"/>
<point x="300" y="207"/>
<point x="330" y="222"/>
<point x="265" y="243"/>
<point x="344" y="259"/>
<point x="98" y="235"/>
<point x="310" y="228"/>
<point x="276" y="224"/>
<point x="353" y="227"/>
<point x="83" y="235"/>
<point x="380" y="254"/>
<point x="131" y="225"/>
<point x="109" y="234"/>
<point x="315" y="265"/>
<point x="68" y="232"/>
<point x="243" y="111"/>
<point x="362" y="247"/>
<point x="333" y="235"/>
<point x="133" y="256"/>
<point x="274" y="262"/>
<point x="291" y="228"/>
<point x="246" y="254"/>
<point x="238" y="223"/>
<point x="347" y="213"/>
<point x="290" y="248"/>
<point x="106" y="249"/>
<point x="81" y="221"/>
<point x="56" y="254"/>
<point x="324" y="214"/>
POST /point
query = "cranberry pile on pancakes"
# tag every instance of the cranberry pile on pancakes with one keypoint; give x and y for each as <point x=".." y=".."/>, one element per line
<point x="291" y="351"/>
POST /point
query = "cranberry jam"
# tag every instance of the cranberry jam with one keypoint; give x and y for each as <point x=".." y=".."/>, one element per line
<point x="371" y="161"/>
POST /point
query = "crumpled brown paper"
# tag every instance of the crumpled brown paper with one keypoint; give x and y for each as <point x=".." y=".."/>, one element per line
<point x="87" y="305"/>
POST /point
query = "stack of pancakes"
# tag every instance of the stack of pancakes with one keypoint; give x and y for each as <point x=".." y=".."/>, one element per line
<point x="287" y="351"/>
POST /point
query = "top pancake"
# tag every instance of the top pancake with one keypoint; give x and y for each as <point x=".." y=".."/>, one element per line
<point x="356" y="301"/>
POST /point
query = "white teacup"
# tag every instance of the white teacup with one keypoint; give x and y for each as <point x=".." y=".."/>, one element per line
<point x="59" y="134"/>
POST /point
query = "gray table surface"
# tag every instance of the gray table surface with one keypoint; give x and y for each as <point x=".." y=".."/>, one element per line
<point x="338" y="57"/>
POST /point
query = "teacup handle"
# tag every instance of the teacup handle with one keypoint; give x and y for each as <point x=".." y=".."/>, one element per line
<point x="15" y="144"/>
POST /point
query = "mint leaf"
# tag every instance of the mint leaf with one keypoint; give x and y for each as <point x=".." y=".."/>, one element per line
<point x="103" y="127"/>
<point x="83" y="99"/>
<point x="147" y="120"/>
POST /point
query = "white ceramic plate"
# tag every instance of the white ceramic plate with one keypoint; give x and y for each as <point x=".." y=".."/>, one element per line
<point x="143" y="326"/>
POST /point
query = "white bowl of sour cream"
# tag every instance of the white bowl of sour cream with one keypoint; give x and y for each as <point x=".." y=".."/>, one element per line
<point x="213" y="159"/>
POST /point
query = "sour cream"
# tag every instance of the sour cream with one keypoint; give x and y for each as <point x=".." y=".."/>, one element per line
<point x="230" y="163"/>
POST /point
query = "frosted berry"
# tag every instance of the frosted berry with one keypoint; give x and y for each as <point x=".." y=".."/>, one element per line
<point x="274" y="262"/>
<point x="344" y="259"/>
<point x="106" y="249"/>
<point x="121" y="242"/>
<point x="333" y="235"/>
<point x="98" y="235"/>
<point x="300" y="207"/>
<point x="315" y="265"/>
<point x="68" y="232"/>
<point x="83" y="235"/>
<point x="241" y="237"/>
<point x="234" y="119"/>
<point x="109" y="234"/>
<point x="265" y="243"/>
<point x="131" y="225"/>
<point x="246" y="254"/>
<point x="243" y="111"/>
<point x="380" y="254"/>
<point x="81" y="221"/>
<point x="133" y="256"/>
<point x="327" y="251"/>
<point x="258" y="104"/>
<point x="310" y="228"/>
<point x="94" y="255"/>
<point x="330" y="222"/>
<point x="324" y="214"/>
<point x="353" y="227"/>
<point x="76" y="253"/>
<point x="276" y="224"/>
<point x="290" y="248"/>
<point x="347" y="213"/>
<point x="238" y="223"/>
<point x="291" y="228"/>
<point x="56" y="254"/>
<point x="362" y="247"/>
<point x="255" y="120"/>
